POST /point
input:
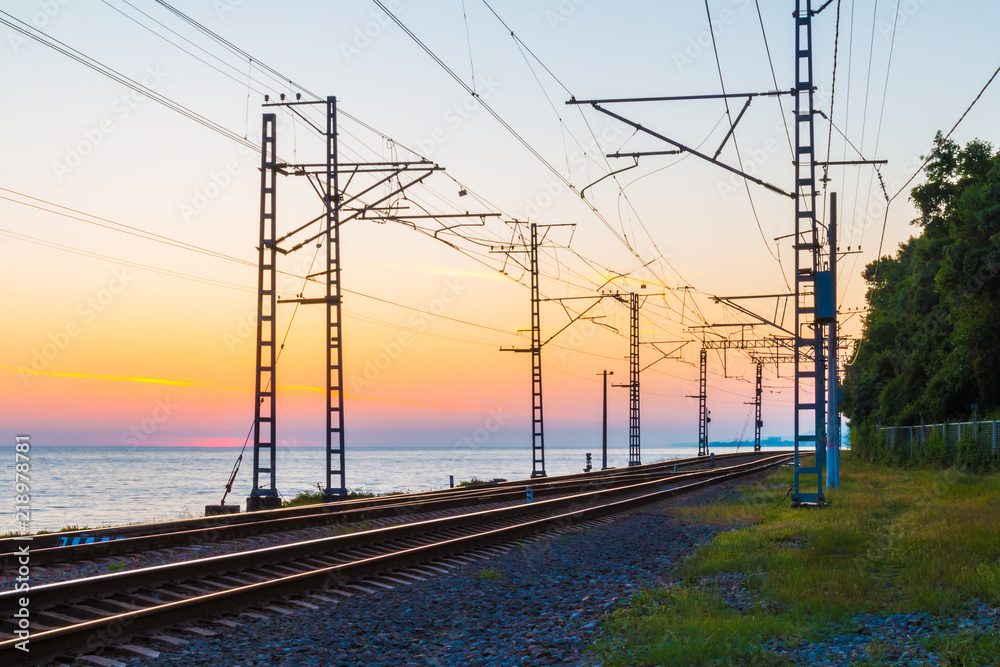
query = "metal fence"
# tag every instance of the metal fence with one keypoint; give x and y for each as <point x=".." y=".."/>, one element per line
<point x="983" y="433"/>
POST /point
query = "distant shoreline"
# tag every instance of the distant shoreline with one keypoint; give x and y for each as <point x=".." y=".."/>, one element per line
<point x="783" y="444"/>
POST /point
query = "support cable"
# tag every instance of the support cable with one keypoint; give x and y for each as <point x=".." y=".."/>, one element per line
<point x="739" y="158"/>
<point x="833" y="92"/>
<point x="281" y="79"/>
<point x="774" y="78"/>
<point x="68" y="51"/>
<point x="468" y="41"/>
<point x="864" y="131"/>
<point x="277" y="77"/>
<point x="531" y="149"/>
<point x="927" y="160"/>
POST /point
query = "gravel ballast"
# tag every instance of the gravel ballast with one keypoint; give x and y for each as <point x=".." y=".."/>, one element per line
<point x="538" y="604"/>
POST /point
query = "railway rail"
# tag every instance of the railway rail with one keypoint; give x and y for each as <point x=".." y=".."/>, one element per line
<point x="55" y="548"/>
<point x="79" y="616"/>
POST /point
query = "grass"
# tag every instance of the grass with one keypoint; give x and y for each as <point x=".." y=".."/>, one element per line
<point x="475" y="481"/>
<point x="488" y="574"/>
<point x="889" y="541"/>
<point x="72" y="528"/>
<point x="966" y="648"/>
<point x="316" y="497"/>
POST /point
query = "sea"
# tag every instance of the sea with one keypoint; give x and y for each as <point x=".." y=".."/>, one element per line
<point x="103" y="486"/>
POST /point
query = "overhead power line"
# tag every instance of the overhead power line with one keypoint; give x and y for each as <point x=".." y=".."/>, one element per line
<point x="927" y="160"/>
<point x="140" y="233"/>
<point x="279" y="78"/>
<point x="283" y="80"/>
<point x="736" y="146"/>
<point x="524" y="142"/>
<point x="42" y="38"/>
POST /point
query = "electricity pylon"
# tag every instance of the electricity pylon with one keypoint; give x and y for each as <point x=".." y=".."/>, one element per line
<point x="811" y="286"/>
<point x="338" y="208"/>
<point x="757" y="421"/>
<point x="537" y="413"/>
<point x="634" y="450"/>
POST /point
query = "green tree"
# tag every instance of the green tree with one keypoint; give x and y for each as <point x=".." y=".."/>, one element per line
<point x="931" y="344"/>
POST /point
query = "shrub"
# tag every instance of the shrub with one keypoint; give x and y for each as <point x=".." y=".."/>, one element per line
<point x="973" y="456"/>
<point x="936" y="452"/>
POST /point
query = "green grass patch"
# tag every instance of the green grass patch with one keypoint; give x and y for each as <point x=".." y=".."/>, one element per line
<point x="488" y="574"/>
<point x="72" y="528"/>
<point x="889" y="540"/>
<point x="966" y="648"/>
<point x="680" y="626"/>
<point x="316" y="497"/>
<point x="475" y="481"/>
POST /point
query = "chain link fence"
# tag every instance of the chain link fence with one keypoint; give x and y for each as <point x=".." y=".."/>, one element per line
<point x="911" y="441"/>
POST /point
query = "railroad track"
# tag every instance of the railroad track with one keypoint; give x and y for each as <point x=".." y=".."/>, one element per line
<point x="115" y="542"/>
<point x="83" y="615"/>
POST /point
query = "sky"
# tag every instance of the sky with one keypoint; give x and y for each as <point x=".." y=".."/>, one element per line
<point x="129" y="229"/>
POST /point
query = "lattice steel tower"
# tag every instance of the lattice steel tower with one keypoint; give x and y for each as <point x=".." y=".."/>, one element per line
<point x="324" y="178"/>
<point x="810" y="399"/>
<point x="757" y="421"/>
<point x="264" y="494"/>
<point x="537" y="426"/>
<point x="633" y="382"/>
<point x="703" y="418"/>
<point x="336" y="486"/>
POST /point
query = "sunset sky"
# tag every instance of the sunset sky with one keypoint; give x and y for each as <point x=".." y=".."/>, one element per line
<point x="128" y="233"/>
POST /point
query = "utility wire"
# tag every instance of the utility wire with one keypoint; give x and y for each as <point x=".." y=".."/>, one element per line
<point x="950" y="132"/>
<point x="739" y="158"/>
<point x="135" y="265"/>
<point x="878" y="136"/>
<point x="833" y="92"/>
<point x="524" y="142"/>
<point x="522" y="48"/>
<point x="864" y="126"/>
<point x="135" y="231"/>
<point x="928" y="159"/>
<point x="468" y="40"/>
<point x="111" y="73"/>
<point x="774" y="78"/>
<point x="282" y="79"/>
<point x="864" y="129"/>
<point x="465" y="86"/>
<point x="54" y="44"/>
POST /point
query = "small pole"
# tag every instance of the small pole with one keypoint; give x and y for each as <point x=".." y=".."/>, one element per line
<point x="833" y="411"/>
<point x="975" y="422"/>
<point x="529" y="494"/>
<point x="451" y="481"/>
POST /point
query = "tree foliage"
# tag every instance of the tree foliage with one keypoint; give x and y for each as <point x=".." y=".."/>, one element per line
<point x="931" y="341"/>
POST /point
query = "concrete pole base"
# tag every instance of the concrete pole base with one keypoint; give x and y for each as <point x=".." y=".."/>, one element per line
<point x="257" y="503"/>
<point x="216" y="510"/>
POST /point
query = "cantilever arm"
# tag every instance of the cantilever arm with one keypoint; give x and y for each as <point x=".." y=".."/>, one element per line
<point x="694" y="152"/>
<point x="587" y="310"/>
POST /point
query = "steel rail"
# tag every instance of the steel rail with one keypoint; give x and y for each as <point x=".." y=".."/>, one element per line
<point x="141" y="543"/>
<point x="186" y="530"/>
<point x="54" y="643"/>
<point x="79" y="589"/>
<point x="366" y="537"/>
